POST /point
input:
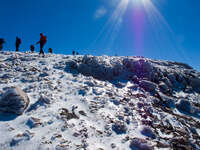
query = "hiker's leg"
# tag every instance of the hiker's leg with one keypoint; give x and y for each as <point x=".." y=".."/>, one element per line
<point x="17" y="47"/>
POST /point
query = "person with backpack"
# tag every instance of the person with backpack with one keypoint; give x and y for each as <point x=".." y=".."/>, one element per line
<point x="42" y="42"/>
<point x="32" y="48"/>
<point x="50" y="50"/>
<point x="2" y="41"/>
<point x="17" y="43"/>
<point x="73" y="52"/>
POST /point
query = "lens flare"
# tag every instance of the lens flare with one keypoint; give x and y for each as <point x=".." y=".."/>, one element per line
<point x="112" y="26"/>
<point x="142" y="9"/>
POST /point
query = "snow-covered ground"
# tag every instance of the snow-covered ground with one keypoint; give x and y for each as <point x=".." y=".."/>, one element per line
<point x="98" y="103"/>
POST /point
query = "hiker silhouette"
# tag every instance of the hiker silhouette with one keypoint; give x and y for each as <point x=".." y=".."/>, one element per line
<point x="50" y="50"/>
<point x="42" y="42"/>
<point x="2" y="41"/>
<point x="17" y="43"/>
<point x="73" y="52"/>
<point x="32" y="48"/>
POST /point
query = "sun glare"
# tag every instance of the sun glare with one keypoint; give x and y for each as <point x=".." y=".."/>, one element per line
<point x="142" y="11"/>
<point x="139" y="2"/>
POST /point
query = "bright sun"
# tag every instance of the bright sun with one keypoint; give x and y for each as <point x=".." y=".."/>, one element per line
<point x="140" y="2"/>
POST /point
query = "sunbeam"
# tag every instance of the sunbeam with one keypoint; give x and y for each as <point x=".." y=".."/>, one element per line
<point x="162" y="30"/>
<point x="142" y="9"/>
<point x="112" y="26"/>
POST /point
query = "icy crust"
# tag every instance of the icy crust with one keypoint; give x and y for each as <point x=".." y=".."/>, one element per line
<point x="100" y="103"/>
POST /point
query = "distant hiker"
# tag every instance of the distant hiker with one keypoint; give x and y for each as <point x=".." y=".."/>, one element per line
<point x="42" y="42"/>
<point x="77" y="53"/>
<point x="2" y="41"/>
<point x="50" y="50"/>
<point x="17" y="43"/>
<point x="73" y="52"/>
<point x="32" y="48"/>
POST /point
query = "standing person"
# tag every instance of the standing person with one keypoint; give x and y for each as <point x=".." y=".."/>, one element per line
<point x="2" y="41"/>
<point x="73" y="52"/>
<point x="77" y="53"/>
<point x="42" y="42"/>
<point x="50" y="50"/>
<point x="17" y="43"/>
<point x="32" y="48"/>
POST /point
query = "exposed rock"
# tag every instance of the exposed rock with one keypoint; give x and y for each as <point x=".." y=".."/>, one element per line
<point x="148" y="85"/>
<point x="7" y="76"/>
<point x="135" y="79"/>
<point x="139" y="144"/>
<point x="172" y="78"/>
<point x="119" y="127"/>
<point x="62" y="147"/>
<point x="182" y="144"/>
<point x="82" y="113"/>
<point x="143" y="66"/>
<point x="181" y="79"/>
<point x="163" y="87"/>
<point x="167" y="101"/>
<point x="167" y="82"/>
<point x="73" y="64"/>
<point x="56" y="136"/>
<point x="113" y="145"/>
<point x="65" y="114"/>
<point x="147" y="131"/>
<point x="195" y="83"/>
<point x="27" y="135"/>
<point x="44" y="74"/>
<point x="33" y="122"/>
<point x="14" y="101"/>
<point x="97" y="67"/>
<point x="44" y="99"/>
<point x="185" y="106"/>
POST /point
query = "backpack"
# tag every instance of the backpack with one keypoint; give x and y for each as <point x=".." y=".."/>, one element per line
<point x="18" y="41"/>
<point x="43" y="39"/>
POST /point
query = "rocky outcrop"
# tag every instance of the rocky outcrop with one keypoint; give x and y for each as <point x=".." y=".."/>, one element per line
<point x="139" y="144"/>
<point x="21" y="137"/>
<point x="14" y="101"/>
<point x="147" y="131"/>
<point x="168" y="76"/>
<point x="163" y="87"/>
<point x="119" y="127"/>
<point x="185" y="106"/>
<point x="65" y="114"/>
<point x="33" y="122"/>
<point x="195" y="84"/>
<point x="148" y="85"/>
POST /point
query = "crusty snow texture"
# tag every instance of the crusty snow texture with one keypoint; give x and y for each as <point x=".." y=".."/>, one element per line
<point x="97" y="103"/>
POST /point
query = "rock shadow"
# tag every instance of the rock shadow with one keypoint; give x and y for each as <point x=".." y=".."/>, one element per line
<point x="7" y="116"/>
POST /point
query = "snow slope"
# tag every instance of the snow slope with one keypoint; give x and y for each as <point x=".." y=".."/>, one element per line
<point x="100" y="103"/>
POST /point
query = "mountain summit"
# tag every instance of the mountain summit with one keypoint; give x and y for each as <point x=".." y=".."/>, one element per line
<point x="64" y="102"/>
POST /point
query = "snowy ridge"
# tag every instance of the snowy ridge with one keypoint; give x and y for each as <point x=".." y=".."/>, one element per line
<point x="99" y="103"/>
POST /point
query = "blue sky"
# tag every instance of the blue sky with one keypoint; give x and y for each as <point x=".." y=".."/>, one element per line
<point x="158" y="29"/>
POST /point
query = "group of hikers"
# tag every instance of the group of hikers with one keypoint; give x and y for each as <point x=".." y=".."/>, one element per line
<point x="42" y="42"/>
